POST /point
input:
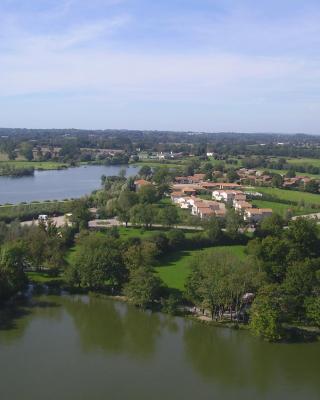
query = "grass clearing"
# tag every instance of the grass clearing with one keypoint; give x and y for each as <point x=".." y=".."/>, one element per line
<point x="302" y="161"/>
<point x="281" y="209"/>
<point x="43" y="278"/>
<point x="175" y="267"/>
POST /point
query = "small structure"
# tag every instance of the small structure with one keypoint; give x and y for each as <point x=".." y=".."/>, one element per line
<point x="139" y="183"/>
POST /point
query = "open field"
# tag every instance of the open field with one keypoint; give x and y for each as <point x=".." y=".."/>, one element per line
<point x="175" y="268"/>
<point x="281" y="209"/>
<point x="288" y="195"/>
<point x="47" y="165"/>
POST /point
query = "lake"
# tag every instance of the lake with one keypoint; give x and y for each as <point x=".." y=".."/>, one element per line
<point x="89" y="348"/>
<point x="57" y="184"/>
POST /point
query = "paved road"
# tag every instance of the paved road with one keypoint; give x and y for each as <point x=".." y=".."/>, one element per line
<point x="108" y="223"/>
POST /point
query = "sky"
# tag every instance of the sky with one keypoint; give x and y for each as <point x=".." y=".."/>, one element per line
<point x="193" y="65"/>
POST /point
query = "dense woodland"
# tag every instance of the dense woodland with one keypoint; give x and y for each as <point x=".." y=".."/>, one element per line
<point x="223" y="144"/>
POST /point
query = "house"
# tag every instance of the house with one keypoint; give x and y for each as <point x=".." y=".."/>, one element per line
<point x="240" y="205"/>
<point x="196" y="178"/>
<point x="255" y="215"/>
<point x="240" y="197"/>
<point x="207" y="208"/>
<point x="225" y="195"/>
<point x="229" y="186"/>
<point x="206" y="212"/>
<point x="139" y="183"/>
<point x="187" y="189"/>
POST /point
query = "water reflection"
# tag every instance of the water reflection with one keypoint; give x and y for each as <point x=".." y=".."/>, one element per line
<point x="15" y="318"/>
<point x="238" y="360"/>
<point x="114" y="327"/>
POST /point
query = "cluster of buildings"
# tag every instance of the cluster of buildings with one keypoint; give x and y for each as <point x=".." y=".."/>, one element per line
<point x="186" y="193"/>
<point x="162" y="155"/>
<point x="259" y="178"/>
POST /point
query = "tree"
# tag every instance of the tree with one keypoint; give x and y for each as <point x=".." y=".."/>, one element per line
<point x="312" y="186"/>
<point x="232" y="175"/>
<point x="143" y="215"/>
<point x="272" y="225"/>
<point x="162" y="176"/>
<point x="277" y="181"/>
<point x="291" y="173"/>
<point x="140" y="254"/>
<point x="80" y="214"/>
<point x="143" y="287"/>
<point x="98" y="262"/>
<point x="147" y="194"/>
<point x="265" y="317"/>
<point x="169" y="216"/>
<point x="126" y="201"/>
<point x="233" y="223"/>
<point x="213" y="229"/>
<point x="218" y="281"/>
<point x="302" y="235"/>
<point x="312" y="305"/>
<point x="26" y="150"/>
<point x="145" y="172"/>
<point x="13" y="261"/>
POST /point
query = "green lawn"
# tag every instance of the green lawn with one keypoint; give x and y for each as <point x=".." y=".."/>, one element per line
<point x="301" y="161"/>
<point x="289" y="195"/>
<point x="47" y="165"/>
<point x="131" y="232"/>
<point x="175" y="267"/>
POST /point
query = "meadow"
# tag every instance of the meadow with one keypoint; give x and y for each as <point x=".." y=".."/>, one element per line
<point x="289" y="195"/>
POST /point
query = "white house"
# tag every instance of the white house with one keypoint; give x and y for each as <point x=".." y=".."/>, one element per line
<point x="240" y="205"/>
<point x="225" y="195"/>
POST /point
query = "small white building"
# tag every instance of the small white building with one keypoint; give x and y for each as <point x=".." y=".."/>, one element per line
<point x="240" y="205"/>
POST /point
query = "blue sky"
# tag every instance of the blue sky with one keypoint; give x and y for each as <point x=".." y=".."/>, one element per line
<point x="201" y="65"/>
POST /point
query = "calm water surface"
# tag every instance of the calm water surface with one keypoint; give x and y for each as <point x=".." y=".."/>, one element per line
<point x="57" y="184"/>
<point x="76" y="347"/>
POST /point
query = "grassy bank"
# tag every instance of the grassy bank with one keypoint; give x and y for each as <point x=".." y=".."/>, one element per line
<point x="38" y="165"/>
<point x="24" y="212"/>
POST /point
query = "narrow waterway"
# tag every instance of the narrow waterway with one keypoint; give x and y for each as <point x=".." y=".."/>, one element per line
<point x="81" y="348"/>
<point x="57" y="184"/>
